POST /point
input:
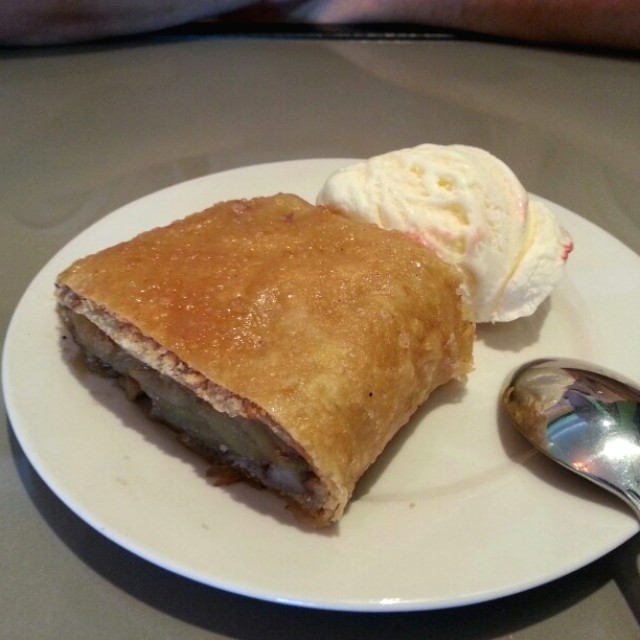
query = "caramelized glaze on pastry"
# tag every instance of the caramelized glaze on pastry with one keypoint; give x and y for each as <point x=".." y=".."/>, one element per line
<point x="279" y="339"/>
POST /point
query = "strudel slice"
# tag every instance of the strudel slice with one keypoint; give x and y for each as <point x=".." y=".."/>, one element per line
<point x="281" y="340"/>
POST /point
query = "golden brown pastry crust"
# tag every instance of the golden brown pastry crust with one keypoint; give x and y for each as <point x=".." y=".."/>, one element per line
<point x="336" y="329"/>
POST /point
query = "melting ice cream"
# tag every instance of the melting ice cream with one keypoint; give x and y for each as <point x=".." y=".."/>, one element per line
<point x="470" y="209"/>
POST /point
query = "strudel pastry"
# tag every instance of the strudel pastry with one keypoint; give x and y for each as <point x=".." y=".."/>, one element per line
<point x="279" y="339"/>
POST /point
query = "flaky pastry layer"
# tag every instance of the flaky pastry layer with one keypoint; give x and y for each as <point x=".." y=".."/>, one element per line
<point x="331" y="331"/>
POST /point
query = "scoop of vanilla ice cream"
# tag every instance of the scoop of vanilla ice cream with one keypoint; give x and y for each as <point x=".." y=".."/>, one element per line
<point x="470" y="209"/>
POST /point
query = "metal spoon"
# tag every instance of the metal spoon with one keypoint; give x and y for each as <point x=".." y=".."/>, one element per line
<point x="584" y="417"/>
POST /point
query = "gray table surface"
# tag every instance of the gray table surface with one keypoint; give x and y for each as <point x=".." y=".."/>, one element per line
<point x="86" y="129"/>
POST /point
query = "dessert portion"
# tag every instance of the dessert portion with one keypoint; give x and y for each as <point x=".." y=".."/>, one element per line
<point x="281" y="340"/>
<point x="469" y="208"/>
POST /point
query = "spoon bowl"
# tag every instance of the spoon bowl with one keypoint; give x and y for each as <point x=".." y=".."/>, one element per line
<point x="584" y="417"/>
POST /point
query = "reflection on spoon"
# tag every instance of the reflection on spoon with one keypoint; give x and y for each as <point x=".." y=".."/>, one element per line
<point x="584" y="417"/>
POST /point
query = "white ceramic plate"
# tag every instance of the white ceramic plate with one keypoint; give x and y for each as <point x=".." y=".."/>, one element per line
<point x="458" y="510"/>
